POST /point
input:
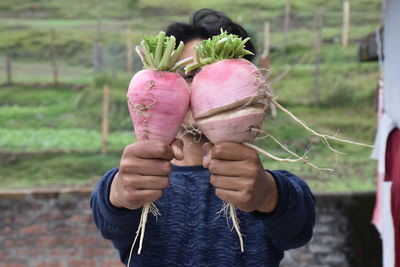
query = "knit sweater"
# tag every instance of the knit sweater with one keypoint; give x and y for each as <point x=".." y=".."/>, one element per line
<point x="190" y="232"/>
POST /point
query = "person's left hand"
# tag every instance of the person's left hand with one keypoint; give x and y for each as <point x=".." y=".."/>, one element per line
<point x="239" y="177"/>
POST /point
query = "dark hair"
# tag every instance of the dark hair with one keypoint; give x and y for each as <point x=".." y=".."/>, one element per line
<point x="204" y="24"/>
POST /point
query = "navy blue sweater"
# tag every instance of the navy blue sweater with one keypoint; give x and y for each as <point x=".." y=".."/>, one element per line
<point x="189" y="231"/>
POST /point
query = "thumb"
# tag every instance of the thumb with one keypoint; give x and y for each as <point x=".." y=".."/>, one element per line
<point x="207" y="150"/>
<point x="177" y="148"/>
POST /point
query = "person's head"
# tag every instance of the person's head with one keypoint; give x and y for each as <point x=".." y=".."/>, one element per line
<point x="204" y="24"/>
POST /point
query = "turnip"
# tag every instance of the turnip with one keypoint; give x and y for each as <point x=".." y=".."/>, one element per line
<point x="158" y="100"/>
<point x="229" y="96"/>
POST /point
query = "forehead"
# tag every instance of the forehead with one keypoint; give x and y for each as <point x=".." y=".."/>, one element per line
<point x="188" y="50"/>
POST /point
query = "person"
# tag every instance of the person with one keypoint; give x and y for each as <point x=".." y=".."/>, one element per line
<point x="189" y="179"/>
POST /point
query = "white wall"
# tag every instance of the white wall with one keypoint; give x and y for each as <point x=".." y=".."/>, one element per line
<point x="391" y="63"/>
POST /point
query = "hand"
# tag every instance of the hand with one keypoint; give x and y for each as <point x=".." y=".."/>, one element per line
<point x="143" y="173"/>
<point x="239" y="177"/>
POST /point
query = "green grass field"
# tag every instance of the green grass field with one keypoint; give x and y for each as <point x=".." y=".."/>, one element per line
<point x="36" y="117"/>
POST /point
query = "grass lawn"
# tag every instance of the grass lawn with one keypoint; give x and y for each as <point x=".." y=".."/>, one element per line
<point x="62" y="170"/>
<point x="46" y="122"/>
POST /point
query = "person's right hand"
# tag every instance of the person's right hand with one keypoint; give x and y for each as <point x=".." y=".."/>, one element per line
<point x="143" y="173"/>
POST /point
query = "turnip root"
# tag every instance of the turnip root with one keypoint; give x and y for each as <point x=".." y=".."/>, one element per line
<point x="158" y="100"/>
<point x="158" y="103"/>
<point x="228" y="93"/>
<point x="228" y="113"/>
<point x="229" y="97"/>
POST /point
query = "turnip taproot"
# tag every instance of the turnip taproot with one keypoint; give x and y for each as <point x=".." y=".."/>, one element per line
<point x="229" y="96"/>
<point x="158" y="100"/>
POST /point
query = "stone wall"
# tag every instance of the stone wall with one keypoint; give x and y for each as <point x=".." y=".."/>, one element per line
<point x="55" y="228"/>
<point x="343" y="234"/>
<point x="51" y="229"/>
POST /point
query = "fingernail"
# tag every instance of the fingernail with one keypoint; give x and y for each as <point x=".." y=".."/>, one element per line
<point x="205" y="161"/>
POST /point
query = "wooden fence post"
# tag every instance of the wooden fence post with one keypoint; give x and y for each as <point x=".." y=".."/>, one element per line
<point x="318" y="41"/>
<point x="265" y="55"/>
<point x="54" y="57"/>
<point x="383" y="9"/>
<point x="286" y="24"/>
<point x="105" y="125"/>
<point x="265" y="61"/>
<point x="346" y="22"/>
<point x="129" y="55"/>
<point x="98" y="57"/>
<point x="8" y="68"/>
<point x="98" y="60"/>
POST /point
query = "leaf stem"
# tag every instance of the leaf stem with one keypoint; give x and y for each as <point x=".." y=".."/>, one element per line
<point x="147" y="54"/>
<point x="167" y="53"/>
<point x="159" y="48"/>
<point x="175" y="54"/>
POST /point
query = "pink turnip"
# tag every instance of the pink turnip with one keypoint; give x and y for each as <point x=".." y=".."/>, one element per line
<point x="227" y="114"/>
<point x="158" y="100"/>
<point x="158" y="103"/>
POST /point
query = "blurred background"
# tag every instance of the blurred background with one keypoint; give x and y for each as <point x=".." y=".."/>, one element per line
<point x="56" y="56"/>
<point x="64" y="72"/>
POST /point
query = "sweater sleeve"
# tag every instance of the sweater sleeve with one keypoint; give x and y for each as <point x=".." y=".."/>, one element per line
<point x="116" y="224"/>
<point x="291" y="224"/>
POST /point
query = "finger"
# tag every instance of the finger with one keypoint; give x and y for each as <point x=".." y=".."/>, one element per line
<point x="177" y="148"/>
<point x="233" y="197"/>
<point x="138" y="198"/>
<point x="207" y="149"/>
<point x="227" y="182"/>
<point x="149" y="150"/>
<point x="233" y="151"/>
<point x="232" y="168"/>
<point x="152" y="167"/>
<point x="148" y="182"/>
